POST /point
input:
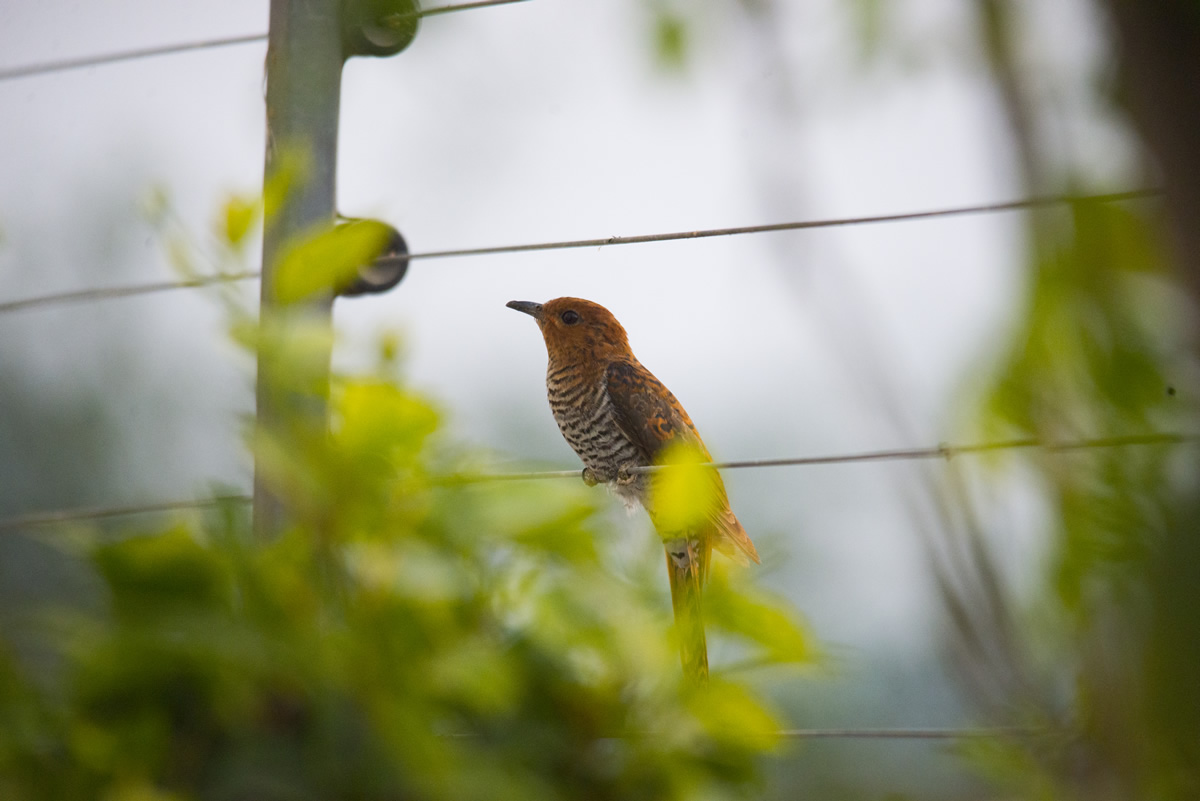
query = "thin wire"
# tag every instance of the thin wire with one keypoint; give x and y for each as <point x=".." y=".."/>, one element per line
<point x="75" y="515"/>
<point x="125" y="55"/>
<point x="531" y="476"/>
<point x="851" y="734"/>
<point x="905" y="734"/>
<point x="986" y="208"/>
<point x="937" y="452"/>
<point x="433" y="12"/>
<point x="122" y="291"/>
<point x="166" y="50"/>
<point x="1015" y="205"/>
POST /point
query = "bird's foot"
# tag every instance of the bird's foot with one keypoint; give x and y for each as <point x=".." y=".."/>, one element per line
<point x="589" y="477"/>
<point x="625" y="475"/>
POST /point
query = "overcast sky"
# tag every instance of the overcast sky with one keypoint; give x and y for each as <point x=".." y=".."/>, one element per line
<point x="544" y="120"/>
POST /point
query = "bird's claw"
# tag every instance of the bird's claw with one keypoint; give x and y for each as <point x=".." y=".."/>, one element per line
<point x="625" y="476"/>
<point x="589" y="477"/>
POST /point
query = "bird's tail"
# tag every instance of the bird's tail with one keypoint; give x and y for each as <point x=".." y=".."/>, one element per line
<point x="686" y="566"/>
<point x="732" y="540"/>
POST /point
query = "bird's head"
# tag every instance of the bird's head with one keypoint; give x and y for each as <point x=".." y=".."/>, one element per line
<point x="576" y="329"/>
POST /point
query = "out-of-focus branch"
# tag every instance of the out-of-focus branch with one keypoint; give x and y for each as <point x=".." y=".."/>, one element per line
<point x="1159" y="51"/>
<point x="1159" y="43"/>
<point x="996" y="24"/>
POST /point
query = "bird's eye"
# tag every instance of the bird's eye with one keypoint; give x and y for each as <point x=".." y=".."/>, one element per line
<point x="569" y="317"/>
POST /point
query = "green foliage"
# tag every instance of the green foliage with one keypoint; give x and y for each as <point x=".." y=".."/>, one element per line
<point x="407" y="635"/>
<point x="1103" y="351"/>
<point x="1092" y="359"/>
<point x="240" y="215"/>
<point x="329" y="258"/>
<point x="289" y="170"/>
<point x="670" y="39"/>
<point x="733" y="605"/>
<point x="685" y="495"/>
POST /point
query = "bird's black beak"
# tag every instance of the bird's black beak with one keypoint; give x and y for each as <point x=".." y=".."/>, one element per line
<point x="534" y="310"/>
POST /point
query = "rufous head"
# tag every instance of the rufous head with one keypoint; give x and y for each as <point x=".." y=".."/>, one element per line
<point x="576" y="329"/>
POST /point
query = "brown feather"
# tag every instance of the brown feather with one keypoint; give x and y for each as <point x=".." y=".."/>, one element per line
<point x="687" y="578"/>
<point x="650" y="415"/>
<point x="615" y="414"/>
<point x="733" y="541"/>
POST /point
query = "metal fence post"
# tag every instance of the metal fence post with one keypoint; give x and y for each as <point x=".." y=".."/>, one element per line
<point x="304" y="70"/>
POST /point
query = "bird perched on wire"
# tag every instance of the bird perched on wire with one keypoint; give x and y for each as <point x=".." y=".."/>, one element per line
<point x="618" y="417"/>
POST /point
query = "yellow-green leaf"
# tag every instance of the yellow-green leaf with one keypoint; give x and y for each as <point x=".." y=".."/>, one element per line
<point x="684" y="494"/>
<point x="329" y="260"/>
<point x="240" y="214"/>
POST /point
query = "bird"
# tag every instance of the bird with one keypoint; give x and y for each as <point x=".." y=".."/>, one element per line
<point x="617" y="417"/>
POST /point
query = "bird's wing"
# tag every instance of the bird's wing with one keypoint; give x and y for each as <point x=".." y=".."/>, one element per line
<point x="646" y="411"/>
<point x="650" y="416"/>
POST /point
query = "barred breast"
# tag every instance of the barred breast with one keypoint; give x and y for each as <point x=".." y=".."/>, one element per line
<point x="585" y="415"/>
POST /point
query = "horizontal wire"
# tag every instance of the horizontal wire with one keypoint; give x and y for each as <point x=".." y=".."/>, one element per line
<point x="166" y="50"/>
<point x="433" y="12"/>
<point x="125" y="55"/>
<point x="950" y="451"/>
<point x="75" y="515"/>
<point x="906" y="734"/>
<point x="852" y="734"/>
<point x="984" y="208"/>
<point x="529" y="476"/>
<point x="936" y="452"/>
<point x="389" y="261"/>
<point x="106" y="293"/>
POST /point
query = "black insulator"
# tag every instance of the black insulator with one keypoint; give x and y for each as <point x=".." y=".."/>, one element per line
<point x="385" y="272"/>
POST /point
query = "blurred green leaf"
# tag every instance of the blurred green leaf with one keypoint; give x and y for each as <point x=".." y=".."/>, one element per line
<point x="329" y="260"/>
<point x="670" y="39"/>
<point x="289" y="171"/>
<point x="403" y="636"/>
<point x="1105" y="332"/>
<point x="375" y="420"/>
<point x="758" y="617"/>
<point x="239" y="215"/>
<point x="684" y="494"/>
<point x="162" y="574"/>
<point x="734" y="717"/>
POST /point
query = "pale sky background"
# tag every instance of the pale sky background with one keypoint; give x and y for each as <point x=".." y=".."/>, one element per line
<point x="547" y="120"/>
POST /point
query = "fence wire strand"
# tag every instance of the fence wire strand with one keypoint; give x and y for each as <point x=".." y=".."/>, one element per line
<point x="433" y="12"/>
<point x="908" y="734"/>
<point x="108" y="293"/>
<point x="49" y="67"/>
<point x="87" y="295"/>
<point x="801" y="225"/>
<point x="40" y="519"/>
